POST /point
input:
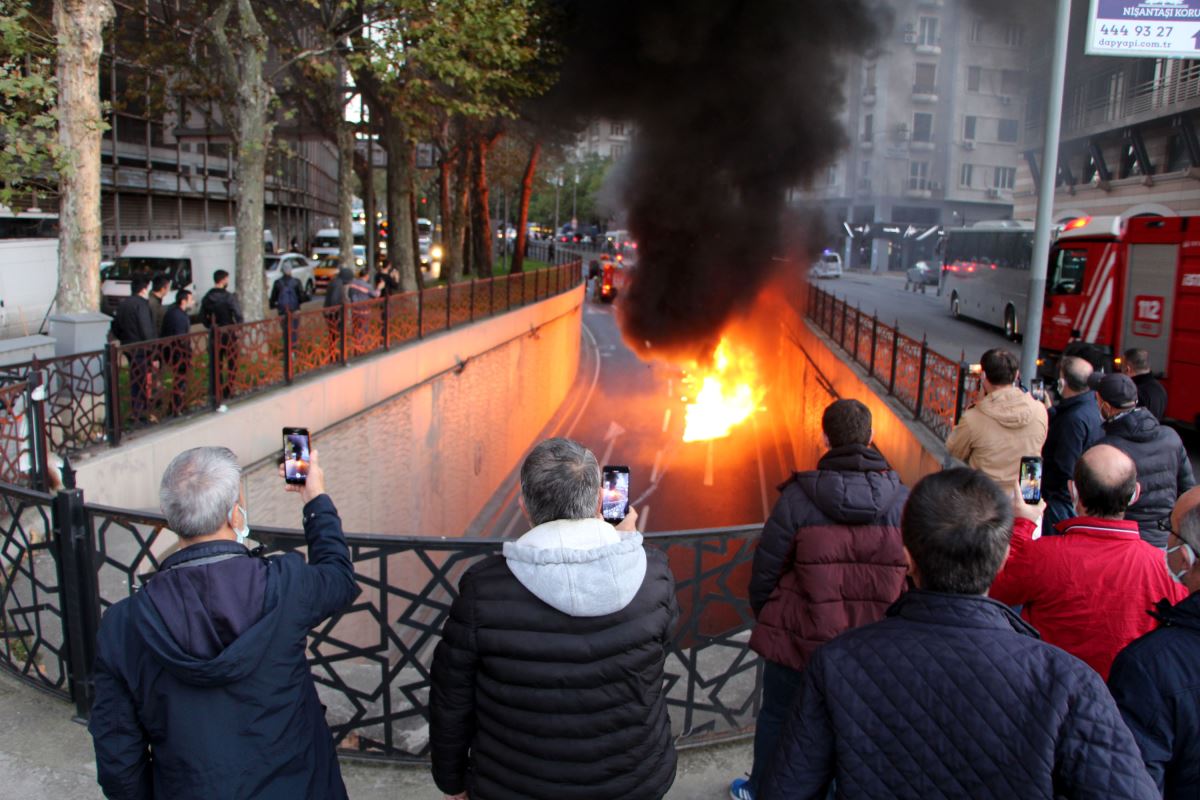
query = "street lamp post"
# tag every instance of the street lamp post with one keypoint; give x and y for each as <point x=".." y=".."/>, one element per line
<point x="574" y="194"/>
<point x="1045" y="207"/>
<point x="558" y="179"/>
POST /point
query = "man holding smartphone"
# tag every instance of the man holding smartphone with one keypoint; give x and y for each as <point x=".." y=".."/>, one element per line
<point x="549" y="679"/>
<point x="202" y="687"/>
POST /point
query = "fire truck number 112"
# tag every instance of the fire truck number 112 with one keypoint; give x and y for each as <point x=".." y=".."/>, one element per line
<point x="1147" y="315"/>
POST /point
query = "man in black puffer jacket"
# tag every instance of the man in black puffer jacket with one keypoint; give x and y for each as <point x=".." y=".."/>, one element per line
<point x="830" y="559"/>
<point x="548" y="681"/>
<point x="1163" y="468"/>
<point x="953" y="695"/>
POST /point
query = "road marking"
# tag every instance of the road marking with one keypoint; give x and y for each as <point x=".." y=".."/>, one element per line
<point x="708" y="465"/>
<point x="762" y="474"/>
<point x="643" y="515"/>
<point x="666" y="419"/>
<point x="657" y="463"/>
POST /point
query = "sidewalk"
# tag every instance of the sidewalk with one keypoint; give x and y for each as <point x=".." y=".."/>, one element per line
<point x="44" y="755"/>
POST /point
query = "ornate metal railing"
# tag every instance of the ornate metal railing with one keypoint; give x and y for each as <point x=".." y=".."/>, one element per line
<point x="934" y="388"/>
<point x="372" y="661"/>
<point x="100" y="396"/>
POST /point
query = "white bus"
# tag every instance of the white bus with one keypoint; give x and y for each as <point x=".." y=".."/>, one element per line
<point x="985" y="272"/>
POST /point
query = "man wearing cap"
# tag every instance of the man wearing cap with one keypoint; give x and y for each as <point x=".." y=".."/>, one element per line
<point x="1162" y="462"/>
<point x="1156" y="679"/>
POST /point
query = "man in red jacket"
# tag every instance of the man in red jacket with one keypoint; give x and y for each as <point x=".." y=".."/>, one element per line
<point x="1088" y="590"/>
<point x="830" y="559"/>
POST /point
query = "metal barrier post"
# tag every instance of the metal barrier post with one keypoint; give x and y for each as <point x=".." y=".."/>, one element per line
<point x="472" y="298"/>
<point x="492" y="296"/>
<point x="874" y="342"/>
<point x="80" y="593"/>
<point x="112" y="393"/>
<point x="845" y="316"/>
<point x="921" y="378"/>
<point x="857" y="331"/>
<point x="214" y="387"/>
<point x="420" y="312"/>
<point x="449" y="286"/>
<point x="287" y="345"/>
<point x="960" y="390"/>
<point x="36" y="402"/>
<point x="895" y="352"/>
<point x="387" y="322"/>
<point x="345" y="327"/>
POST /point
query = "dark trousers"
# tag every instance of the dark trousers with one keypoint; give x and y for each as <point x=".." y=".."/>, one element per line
<point x="780" y="684"/>
<point x="139" y="384"/>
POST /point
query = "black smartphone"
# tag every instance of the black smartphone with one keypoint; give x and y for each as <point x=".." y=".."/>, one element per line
<point x="1037" y="389"/>
<point x="614" y="493"/>
<point x="295" y="455"/>
<point x="1031" y="479"/>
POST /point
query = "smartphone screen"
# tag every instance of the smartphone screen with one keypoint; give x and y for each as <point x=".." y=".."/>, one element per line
<point x="1037" y="389"/>
<point x="1031" y="480"/>
<point x="295" y="455"/>
<point x="614" y="493"/>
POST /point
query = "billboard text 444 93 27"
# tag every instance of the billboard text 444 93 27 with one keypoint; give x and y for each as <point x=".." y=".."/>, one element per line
<point x="1151" y="28"/>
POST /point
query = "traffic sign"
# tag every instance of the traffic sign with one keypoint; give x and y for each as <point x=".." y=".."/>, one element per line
<point x="1153" y="28"/>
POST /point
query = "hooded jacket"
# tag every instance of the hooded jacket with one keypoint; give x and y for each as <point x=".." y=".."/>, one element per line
<point x="1156" y="683"/>
<point x="202" y="687"/>
<point x="548" y="683"/>
<point x="830" y="557"/>
<point x="953" y="696"/>
<point x="1163" y="468"/>
<point x="335" y="293"/>
<point x="997" y="432"/>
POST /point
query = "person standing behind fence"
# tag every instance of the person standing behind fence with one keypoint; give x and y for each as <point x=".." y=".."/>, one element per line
<point x="220" y="309"/>
<point x="202" y="686"/>
<point x="549" y="682"/>
<point x="178" y="353"/>
<point x="158" y="291"/>
<point x="134" y="323"/>
<point x="830" y="559"/>
<point x="285" y="297"/>
<point x="1005" y="425"/>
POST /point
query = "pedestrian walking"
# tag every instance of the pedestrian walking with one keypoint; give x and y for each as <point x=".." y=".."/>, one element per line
<point x="221" y="310"/>
<point x="285" y="298"/>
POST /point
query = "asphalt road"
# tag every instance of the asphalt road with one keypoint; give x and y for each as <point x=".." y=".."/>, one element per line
<point x="918" y="314"/>
<point x="630" y="412"/>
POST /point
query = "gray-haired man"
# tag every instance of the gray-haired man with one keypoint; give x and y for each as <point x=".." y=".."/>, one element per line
<point x="202" y="688"/>
<point x="548" y="681"/>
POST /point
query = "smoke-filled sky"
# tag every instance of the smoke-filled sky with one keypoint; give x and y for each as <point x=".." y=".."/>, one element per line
<point x="734" y="101"/>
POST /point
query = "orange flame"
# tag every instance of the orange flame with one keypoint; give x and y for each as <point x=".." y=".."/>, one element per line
<point x="728" y="394"/>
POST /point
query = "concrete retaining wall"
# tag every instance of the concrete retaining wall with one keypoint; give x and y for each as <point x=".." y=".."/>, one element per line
<point x="409" y="444"/>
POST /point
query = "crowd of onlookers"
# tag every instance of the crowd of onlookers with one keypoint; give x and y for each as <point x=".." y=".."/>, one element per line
<point x="950" y="639"/>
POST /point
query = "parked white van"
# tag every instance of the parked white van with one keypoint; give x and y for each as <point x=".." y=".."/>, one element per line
<point x="190" y="263"/>
<point x="28" y="282"/>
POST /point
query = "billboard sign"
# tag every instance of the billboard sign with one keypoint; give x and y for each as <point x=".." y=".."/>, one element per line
<point x="1150" y="28"/>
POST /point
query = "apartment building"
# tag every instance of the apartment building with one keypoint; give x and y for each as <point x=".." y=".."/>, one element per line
<point x="934" y="118"/>
<point x="607" y="138"/>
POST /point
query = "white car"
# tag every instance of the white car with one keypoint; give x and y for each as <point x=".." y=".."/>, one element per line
<point x="829" y="265"/>
<point x="302" y="270"/>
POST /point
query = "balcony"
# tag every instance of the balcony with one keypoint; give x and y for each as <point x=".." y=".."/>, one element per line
<point x="866" y="144"/>
<point x="922" y="145"/>
<point x="868" y="96"/>
<point x="917" y="192"/>
<point x="929" y="48"/>
<point x="924" y="94"/>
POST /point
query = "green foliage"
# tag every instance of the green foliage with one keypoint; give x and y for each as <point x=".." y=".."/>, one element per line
<point x="592" y="171"/>
<point x="29" y="152"/>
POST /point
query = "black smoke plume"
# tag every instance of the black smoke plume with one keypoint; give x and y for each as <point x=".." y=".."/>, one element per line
<point x="734" y="102"/>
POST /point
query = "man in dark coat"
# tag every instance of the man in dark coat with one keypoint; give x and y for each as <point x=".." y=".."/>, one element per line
<point x="1075" y="425"/>
<point x="830" y="558"/>
<point x="337" y="295"/>
<point x="1164" y="470"/>
<point x="134" y="323"/>
<point x="158" y="290"/>
<point x="952" y="695"/>
<point x="220" y="309"/>
<point x="178" y="353"/>
<point x="202" y="688"/>
<point x="548" y="683"/>
<point x="1156" y="679"/>
<point x="286" y="294"/>
<point x="1152" y="395"/>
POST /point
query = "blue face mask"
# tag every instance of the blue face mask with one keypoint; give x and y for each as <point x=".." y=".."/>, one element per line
<point x="243" y="531"/>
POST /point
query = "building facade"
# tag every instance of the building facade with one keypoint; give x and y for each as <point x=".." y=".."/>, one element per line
<point x="934" y="118"/>
<point x="607" y="138"/>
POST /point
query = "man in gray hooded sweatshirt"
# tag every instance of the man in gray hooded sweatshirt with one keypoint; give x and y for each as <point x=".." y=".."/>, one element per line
<point x="548" y="681"/>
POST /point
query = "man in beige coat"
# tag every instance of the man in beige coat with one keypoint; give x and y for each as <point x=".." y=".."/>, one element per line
<point x="1004" y="426"/>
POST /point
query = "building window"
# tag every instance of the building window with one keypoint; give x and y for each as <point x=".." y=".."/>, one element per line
<point x="1014" y="35"/>
<point x="922" y="127"/>
<point x="1004" y="178"/>
<point x="618" y="129"/>
<point x="918" y="175"/>
<point x="926" y="82"/>
<point x="869" y="79"/>
<point x="974" y="78"/>
<point x="965" y="175"/>
<point x="977" y="30"/>
<point x="1007" y="131"/>
<point x="969" y="127"/>
<point x="868" y="128"/>
<point x="618" y="150"/>
<point x="928" y="32"/>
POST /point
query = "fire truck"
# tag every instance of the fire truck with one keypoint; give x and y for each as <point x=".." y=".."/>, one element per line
<point x="1120" y="283"/>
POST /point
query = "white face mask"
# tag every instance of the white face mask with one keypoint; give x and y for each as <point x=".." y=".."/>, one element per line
<point x="1189" y="558"/>
<point x="243" y="531"/>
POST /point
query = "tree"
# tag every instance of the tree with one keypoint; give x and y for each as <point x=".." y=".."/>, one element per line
<point x="79" y="28"/>
<point x="30" y="159"/>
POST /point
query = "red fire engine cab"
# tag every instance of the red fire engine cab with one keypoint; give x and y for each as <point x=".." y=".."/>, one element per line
<point x="1121" y="283"/>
